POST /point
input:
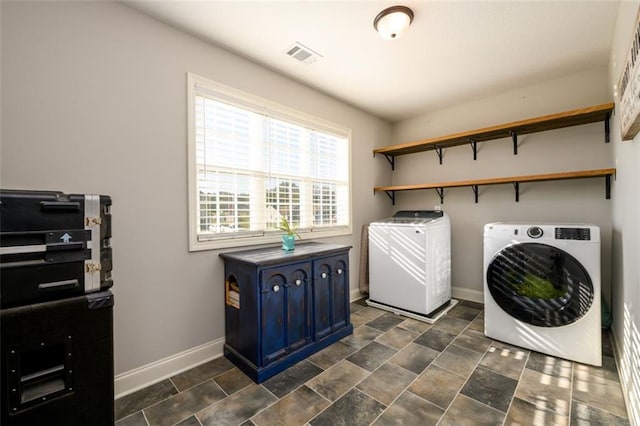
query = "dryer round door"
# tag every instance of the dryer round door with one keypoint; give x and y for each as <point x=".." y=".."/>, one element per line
<point x="540" y="284"/>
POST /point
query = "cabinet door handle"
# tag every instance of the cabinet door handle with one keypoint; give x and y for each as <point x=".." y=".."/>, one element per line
<point x="323" y="275"/>
<point x="339" y="271"/>
<point x="276" y="288"/>
<point x="298" y="282"/>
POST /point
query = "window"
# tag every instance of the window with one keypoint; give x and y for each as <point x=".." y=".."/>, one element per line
<point x="252" y="162"/>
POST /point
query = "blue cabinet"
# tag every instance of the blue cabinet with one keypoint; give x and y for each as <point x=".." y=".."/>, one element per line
<point x="281" y="307"/>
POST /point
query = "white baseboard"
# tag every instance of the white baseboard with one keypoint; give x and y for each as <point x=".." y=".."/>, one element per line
<point x="467" y="294"/>
<point x="149" y="374"/>
<point x="355" y="295"/>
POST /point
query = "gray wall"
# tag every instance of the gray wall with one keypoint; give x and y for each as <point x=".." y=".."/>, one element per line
<point x="626" y="229"/>
<point x="94" y="101"/>
<point x="569" y="149"/>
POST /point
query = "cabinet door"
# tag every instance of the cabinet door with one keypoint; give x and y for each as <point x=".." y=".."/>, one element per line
<point x="298" y="303"/>
<point x="331" y="295"/>
<point x="272" y="313"/>
<point x="340" y="292"/>
<point x="285" y="310"/>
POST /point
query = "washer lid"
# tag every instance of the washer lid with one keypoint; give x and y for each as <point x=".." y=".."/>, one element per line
<point x="412" y="217"/>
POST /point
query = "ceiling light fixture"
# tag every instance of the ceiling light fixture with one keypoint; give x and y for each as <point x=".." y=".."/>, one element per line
<point x="392" y="22"/>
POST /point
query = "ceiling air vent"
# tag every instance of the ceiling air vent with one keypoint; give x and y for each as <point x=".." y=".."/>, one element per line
<point x="302" y="53"/>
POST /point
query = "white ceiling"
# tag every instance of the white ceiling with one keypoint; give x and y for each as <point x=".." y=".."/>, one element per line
<point x="454" y="51"/>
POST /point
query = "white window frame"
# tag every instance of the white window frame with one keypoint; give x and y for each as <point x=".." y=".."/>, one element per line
<point x="196" y="83"/>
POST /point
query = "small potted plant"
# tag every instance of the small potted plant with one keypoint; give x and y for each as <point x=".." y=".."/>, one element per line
<point x="289" y="237"/>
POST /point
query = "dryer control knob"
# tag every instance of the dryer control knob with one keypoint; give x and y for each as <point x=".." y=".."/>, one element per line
<point x="535" y="232"/>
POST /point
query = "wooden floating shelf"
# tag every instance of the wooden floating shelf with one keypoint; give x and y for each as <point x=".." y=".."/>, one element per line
<point x="560" y="120"/>
<point x="515" y="180"/>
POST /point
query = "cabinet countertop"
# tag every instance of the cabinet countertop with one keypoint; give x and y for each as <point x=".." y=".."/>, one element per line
<point x="273" y="255"/>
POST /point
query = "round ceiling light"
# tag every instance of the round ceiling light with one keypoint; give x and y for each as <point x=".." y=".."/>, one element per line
<point x="392" y="22"/>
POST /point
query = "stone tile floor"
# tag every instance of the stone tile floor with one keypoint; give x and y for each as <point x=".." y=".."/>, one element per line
<point x="394" y="370"/>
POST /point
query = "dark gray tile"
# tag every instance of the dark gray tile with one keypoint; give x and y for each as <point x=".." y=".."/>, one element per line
<point x="357" y="320"/>
<point x="386" y="383"/>
<point x="549" y="365"/>
<point x="136" y="419"/>
<point x="337" y="380"/>
<point x="297" y="408"/>
<point x="598" y="391"/>
<point x="545" y="391"/>
<point x="435" y="339"/>
<point x="465" y="411"/>
<point x="184" y="404"/>
<point x="353" y="409"/>
<point x="397" y="338"/>
<point x="607" y="371"/>
<point x="584" y="414"/>
<point x="291" y="378"/>
<point x="458" y="360"/>
<point x="410" y="409"/>
<point x="506" y="361"/>
<point x="371" y="313"/>
<point x="191" y="421"/>
<point x="471" y="304"/>
<point x="201" y="373"/>
<point x="238" y="407"/>
<point x="473" y="340"/>
<point x="331" y="355"/>
<point x="233" y="380"/>
<point x="414" y="325"/>
<point x="371" y="356"/>
<point x="451" y="325"/>
<point x="386" y="322"/>
<point x="356" y="305"/>
<point x="477" y="324"/>
<point x="437" y="385"/>
<point x="468" y="313"/>
<point x="525" y="413"/>
<point x="490" y="388"/>
<point x="143" y="398"/>
<point x="362" y="336"/>
<point x="415" y="358"/>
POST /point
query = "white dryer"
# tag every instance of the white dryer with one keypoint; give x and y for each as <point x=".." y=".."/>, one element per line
<point x="542" y="288"/>
<point x="410" y="262"/>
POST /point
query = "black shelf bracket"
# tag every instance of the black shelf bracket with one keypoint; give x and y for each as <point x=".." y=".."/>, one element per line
<point x="392" y="196"/>
<point x="514" y="137"/>
<point x="606" y="127"/>
<point x="439" y="152"/>
<point x="440" y="192"/>
<point x="392" y="160"/>
<point x="607" y="186"/>
<point x="516" y="187"/>
<point x="475" y="192"/>
<point x="474" y="147"/>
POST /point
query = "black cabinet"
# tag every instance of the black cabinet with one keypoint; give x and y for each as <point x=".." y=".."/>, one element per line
<point x="281" y="307"/>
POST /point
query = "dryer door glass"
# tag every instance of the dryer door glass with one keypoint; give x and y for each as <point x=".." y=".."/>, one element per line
<point x="540" y="284"/>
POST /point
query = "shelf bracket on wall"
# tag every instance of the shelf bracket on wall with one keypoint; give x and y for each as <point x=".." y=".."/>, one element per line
<point x="607" y="185"/>
<point x="392" y="160"/>
<point x="606" y="127"/>
<point x="514" y="137"/>
<point x="475" y="192"/>
<point x="474" y="147"/>
<point x="392" y="196"/>
<point x="516" y="187"/>
<point x="439" y="152"/>
<point x="440" y="192"/>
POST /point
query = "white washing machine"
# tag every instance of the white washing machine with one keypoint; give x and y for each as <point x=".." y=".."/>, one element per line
<point x="410" y="262"/>
<point x="542" y="288"/>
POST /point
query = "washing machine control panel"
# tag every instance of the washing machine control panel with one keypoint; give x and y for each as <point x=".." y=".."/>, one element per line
<point x="573" y="234"/>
